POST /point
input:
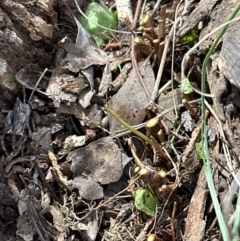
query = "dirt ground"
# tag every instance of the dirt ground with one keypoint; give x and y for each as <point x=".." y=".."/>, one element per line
<point x="70" y="168"/>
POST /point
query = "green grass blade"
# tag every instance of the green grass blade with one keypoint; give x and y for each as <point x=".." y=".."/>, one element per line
<point x="223" y="227"/>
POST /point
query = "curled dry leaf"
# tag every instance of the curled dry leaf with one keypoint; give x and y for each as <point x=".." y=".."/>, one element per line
<point x="17" y="119"/>
<point x="80" y="59"/>
<point x="74" y="141"/>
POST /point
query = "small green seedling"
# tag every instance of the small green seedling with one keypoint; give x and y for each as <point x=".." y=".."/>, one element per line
<point x="97" y="14"/>
<point x="199" y="149"/>
<point x="190" y="37"/>
<point x="145" y="201"/>
<point x="185" y="86"/>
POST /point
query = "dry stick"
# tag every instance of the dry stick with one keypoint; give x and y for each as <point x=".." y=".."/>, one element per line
<point x="138" y="71"/>
<point x="45" y="183"/>
<point x="168" y="131"/>
<point x="162" y="23"/>
<point x="134" y="24"/>
<point x="155" y="7"/>
<point x="160" y="71"/>
<point x="133" y="55"/>
<point x="134" y="154"/>
<point x="176" y="20"/>
<point x="190" y="109"/>
<point x="144" y="231"/>
<point x="172" y="220"/>
<point x="36" y="222"/>
<point x="40" y="78"/>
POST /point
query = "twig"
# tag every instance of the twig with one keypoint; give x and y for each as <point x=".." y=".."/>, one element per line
<point x="160" y="70"/>
<point x="155" y="7"/>
<point x="172" y="220"/>
<point x="45" y="183"/>
<point x="135" y="65"/>
<point x="134" y="61"/>
<point x="190" y="109"/>
<point x="40" y="78"/>
<point x="137" y="160"/>
<point x="134" y="24"/>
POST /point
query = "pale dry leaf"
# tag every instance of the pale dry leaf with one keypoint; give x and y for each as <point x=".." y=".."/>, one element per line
<point x="105" y="81"/>
<point x="25" y="228"/>
<point x="88" y="188"/>
<point x="71" y="142"/>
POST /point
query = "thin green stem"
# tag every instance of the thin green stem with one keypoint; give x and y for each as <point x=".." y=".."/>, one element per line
<point x="133" y="130"/>
<point x="224" y="230"/>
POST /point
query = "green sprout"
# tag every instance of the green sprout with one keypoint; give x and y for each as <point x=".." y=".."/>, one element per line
<point x="97" y="14"/>
<point x="145" y="201"/>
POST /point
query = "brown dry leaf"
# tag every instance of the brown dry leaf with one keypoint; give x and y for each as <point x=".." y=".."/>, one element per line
<point x="167" y="101"/>
<point x="28" y="76"/>
<point x="42" y="139"/>
<point x="125" y="11"/>
<point x="88" y="188"/>
<point x="73" y="84"/>
<point x="55" y="92"/>
<point x="80" y="59"/>
<point x="131" y="100"/>
<point x="91" y="117"/>
<point x="228" y="61"/>
<point x="40" y="29"/>
<point x="102" y="160"/>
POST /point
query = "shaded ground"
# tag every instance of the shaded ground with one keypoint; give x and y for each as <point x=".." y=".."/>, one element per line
<point x="69" y="170"/>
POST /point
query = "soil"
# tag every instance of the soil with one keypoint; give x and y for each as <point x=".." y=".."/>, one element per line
<point x="70" y="171"/>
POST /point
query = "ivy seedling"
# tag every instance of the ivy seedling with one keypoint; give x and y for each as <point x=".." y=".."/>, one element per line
<point x="190" y="37"/>
<point x="185" y="86"/>
<point x="97" y="14"/>
<point x="145" y="201"/>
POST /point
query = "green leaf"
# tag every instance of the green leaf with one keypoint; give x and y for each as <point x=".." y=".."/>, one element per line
<point x="146" y="201"/>
<point x="97" y="14"/>
<point x="186" y="87"/>
<point x="199" y="149"/>
<point x="190" y="37"/>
